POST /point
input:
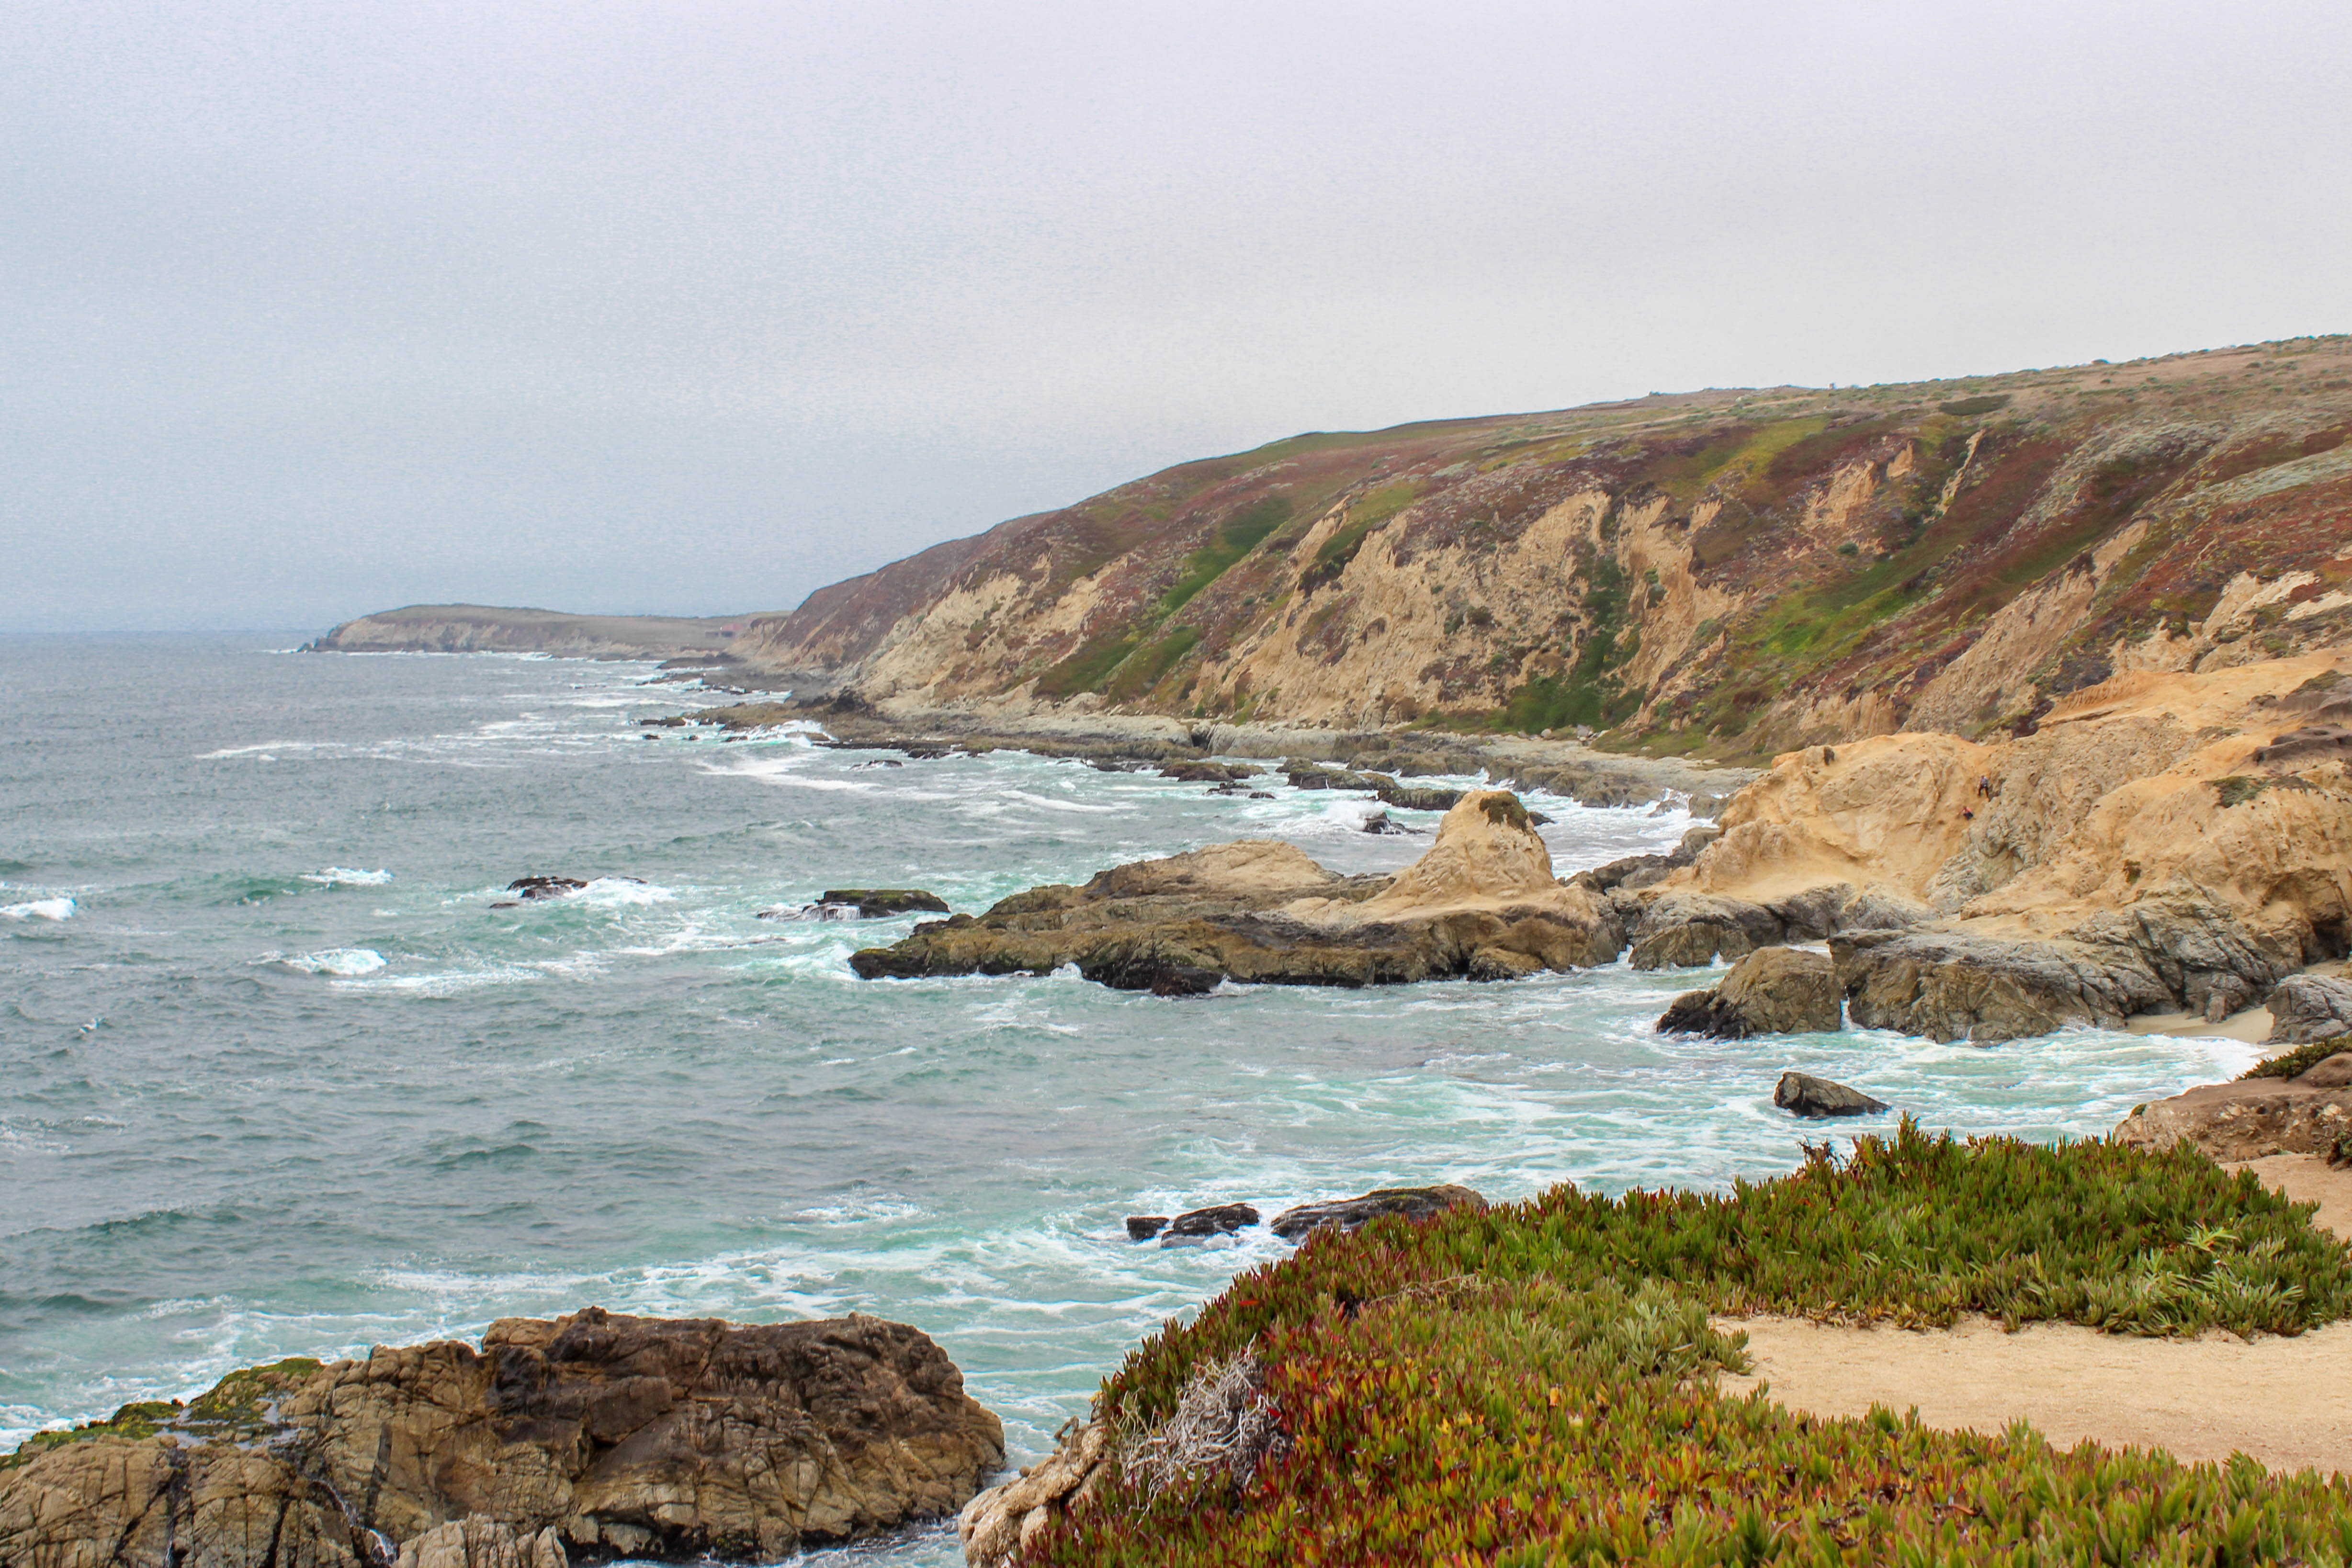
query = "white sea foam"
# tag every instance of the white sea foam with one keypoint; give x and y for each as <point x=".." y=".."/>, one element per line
<point x="343" y="876"/>
<point x="616" y="891"/>
<point x="342" y="963"/>
<point x="41" y="909"/>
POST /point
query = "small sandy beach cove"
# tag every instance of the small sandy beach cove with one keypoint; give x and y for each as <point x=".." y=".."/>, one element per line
<point x="2285" y="1402"/>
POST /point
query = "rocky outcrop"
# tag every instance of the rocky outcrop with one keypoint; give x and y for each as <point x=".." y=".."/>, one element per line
<point x="1355" y="1213"/>
<point x="1204" y="1224"/>
<point x="997" y="1523"/>
<point x="1260" y="910"/>
<point x="2306" y="1007"/>
<point x="882" y="903"/>
<point x="2249" y="1118"/>
<point x="1776" y="990"/>
<point x="597" y="1433"/>
<point x="1685" y="930"/>
<point x="1952" y="986"/>
<point x="1803" y="1094"/>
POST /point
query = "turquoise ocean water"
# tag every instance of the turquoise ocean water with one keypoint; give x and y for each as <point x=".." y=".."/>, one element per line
<point x="276" y="1078"/>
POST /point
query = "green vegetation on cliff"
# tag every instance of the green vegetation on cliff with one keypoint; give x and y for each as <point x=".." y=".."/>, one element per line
<point x="1533" y="1385"/>
<point x="1721" y="573"/>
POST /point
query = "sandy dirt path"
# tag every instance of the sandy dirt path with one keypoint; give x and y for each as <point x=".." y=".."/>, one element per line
<point x="2285" y="1402"/>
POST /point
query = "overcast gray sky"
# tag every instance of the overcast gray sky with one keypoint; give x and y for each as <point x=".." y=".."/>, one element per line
<point x="308" y="309"/>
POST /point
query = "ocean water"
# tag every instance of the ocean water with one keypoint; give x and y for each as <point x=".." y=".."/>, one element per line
<point x="277" y="1077"/>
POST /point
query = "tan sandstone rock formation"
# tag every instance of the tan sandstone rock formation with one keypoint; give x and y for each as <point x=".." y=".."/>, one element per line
<point x="1483" y="901"/>
<point x="602" y="1434"/>
<point x="2163" y="841"/>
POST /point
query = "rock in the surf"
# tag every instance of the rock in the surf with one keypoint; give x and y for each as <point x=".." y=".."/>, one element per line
<point x="1260" y="910"/>
<point x="1144" y="1226"/>
<point x="674" y="1438"/>
<point x="546" y="886"/>
<point x="1803" y="1094"/>
<point x="1773" y="990"/>
<point x="882" y="903"/>
<point x="1354" y="1213"/>
<point x="1202" y="1224"/>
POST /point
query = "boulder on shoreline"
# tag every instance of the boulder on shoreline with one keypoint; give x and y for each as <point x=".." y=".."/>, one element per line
<point x="596" y="1433"/>
<point x="1803" y="1094"/>
<point x="2306" y="1007"/>
<point x="1773" y="990"/>
<point x="1261" y="911"/>
<point x="1355" y="1213"/>
<point x="2250" y="1118"/>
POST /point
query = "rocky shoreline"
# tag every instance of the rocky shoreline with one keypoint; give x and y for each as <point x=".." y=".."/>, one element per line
<point x="1565" y="768"/>
<point x="590" y="1437"/>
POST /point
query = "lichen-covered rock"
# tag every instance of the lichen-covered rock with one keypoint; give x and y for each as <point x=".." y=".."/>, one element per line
<point x="1260" y="910"/>
<point x="1774" y="990"/>
<point x="1354" y="1213"/>
<point x="624" y="1435"/>
<point x="1803" y="1094"/>
<point x="2245" y="1120"/>
<point x="2307" y="1008"/>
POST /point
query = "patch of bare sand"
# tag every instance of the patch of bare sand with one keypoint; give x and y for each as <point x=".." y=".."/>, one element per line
<point x="2307" y="1178"/>
<point x="2282" y="1401"/>
<point x="2251" y="1027"/>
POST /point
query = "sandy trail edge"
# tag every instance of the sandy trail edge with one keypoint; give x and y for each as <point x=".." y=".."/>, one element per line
<point x="2287" y="1403"/>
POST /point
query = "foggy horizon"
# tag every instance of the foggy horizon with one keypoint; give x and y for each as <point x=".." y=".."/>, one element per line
<point x="691" y="310"/>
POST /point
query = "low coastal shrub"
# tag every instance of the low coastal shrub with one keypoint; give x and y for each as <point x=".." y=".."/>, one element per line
<point x="2300" y="1061"/>
<point x="1533" y="1385"/>
<point x="1913" y="1229"/>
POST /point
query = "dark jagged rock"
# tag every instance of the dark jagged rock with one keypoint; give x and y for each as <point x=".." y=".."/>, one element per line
<point x="1306" y="774"/>
<point x="1413" y="797"/>
<point x="1178" y="981"/>
<point x="1211" y="772"/>
<point x="1144" y="1226"/>
<point x="1202" y="1224"/>
<point x="1380" y="824"/>
<point x="624" y="1436"/>
<point x="882" y="903"/>
<point x="2306" y="1007"/>
<point x="1354" y="1213"/>
<point x="545" y="887"/>
<point x="1803" y="1094"/>
<point x="1774" y="990"/>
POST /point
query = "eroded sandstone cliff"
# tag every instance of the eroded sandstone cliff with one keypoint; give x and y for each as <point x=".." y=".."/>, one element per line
<point x="1726" y="573"/>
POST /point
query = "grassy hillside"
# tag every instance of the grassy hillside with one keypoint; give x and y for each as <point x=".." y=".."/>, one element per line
<point x="1718" y="573"/>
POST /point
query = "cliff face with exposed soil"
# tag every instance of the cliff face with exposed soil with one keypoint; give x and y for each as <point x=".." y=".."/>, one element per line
<point x="1725" y="573"/>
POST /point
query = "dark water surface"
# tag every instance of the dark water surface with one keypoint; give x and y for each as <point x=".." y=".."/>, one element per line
<point x="276" y="1078"/>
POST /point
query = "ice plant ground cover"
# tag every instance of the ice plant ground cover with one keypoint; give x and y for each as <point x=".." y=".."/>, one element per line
<point x="1533" y="1385"/>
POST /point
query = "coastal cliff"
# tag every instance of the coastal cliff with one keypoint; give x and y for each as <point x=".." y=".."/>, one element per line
<point x="481" y="628"/>
<point x="1723" y="574"/>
